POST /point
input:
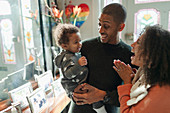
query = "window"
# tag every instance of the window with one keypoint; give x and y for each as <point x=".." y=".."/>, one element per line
<point x="7" y="41"/>
<point x="106" y="2"/>
<point x="5" y="8"/>
<point x="27" y="28"/>
<point x="148" y="1"/>
<point x="145" y="17"/>
<point x="19" y="35"/>
<point x="169" y="22"/>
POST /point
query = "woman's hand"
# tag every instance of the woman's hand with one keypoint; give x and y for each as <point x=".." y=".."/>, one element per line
<point x="92" y="95"/>
<point x="125" y="71"/>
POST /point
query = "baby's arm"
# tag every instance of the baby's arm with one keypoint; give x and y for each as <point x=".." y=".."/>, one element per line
<point x="82" y="61"/>
<point x="71" y="69"/>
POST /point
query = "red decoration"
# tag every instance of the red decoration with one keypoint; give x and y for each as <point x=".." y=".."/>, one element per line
<point x="81" y="17"/>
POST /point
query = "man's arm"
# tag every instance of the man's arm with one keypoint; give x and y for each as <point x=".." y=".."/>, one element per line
<point x="95" y="95"/>
<point x="113" y="98"/>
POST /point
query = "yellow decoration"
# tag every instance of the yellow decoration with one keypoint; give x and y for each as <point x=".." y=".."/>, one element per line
<point x="29" y="39"/>
<point x="28" y="36"/>
<point x="31" y="58"/>
<point x="10" y="60"/>
<point x="147" y="16"/>
<point x="6" y="25"/>
<point x="83" y="14"/>
<point x="9" y="52"/>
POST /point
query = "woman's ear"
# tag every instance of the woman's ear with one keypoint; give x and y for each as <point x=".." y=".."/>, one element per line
<point x="64" y="46"/>
<point x="121" y="27"/>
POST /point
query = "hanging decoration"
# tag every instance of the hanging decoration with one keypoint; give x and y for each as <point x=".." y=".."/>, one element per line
<point x="76" y="12"/>
<point x="69" y="12"/>
<point x="55" y="14"/>
<point x="77" y="15"/>
<point x="34" y="16"/>
<point x="28" y="17"/>
<point x="7" y="41"/>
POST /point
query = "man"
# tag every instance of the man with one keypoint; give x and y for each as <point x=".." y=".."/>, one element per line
<point x="100" y="52"/>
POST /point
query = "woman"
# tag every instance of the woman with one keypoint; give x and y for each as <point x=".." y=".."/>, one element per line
<point x="150" y="89"/>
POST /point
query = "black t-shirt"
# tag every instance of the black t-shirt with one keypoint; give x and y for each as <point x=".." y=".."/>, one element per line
<point x="100" y="57"/>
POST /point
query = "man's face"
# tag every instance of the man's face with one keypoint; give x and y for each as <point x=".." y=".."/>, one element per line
<point x="108" y="29"/>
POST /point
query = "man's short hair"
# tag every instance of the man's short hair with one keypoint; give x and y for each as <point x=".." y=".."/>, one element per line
<point x="117" y="11"/>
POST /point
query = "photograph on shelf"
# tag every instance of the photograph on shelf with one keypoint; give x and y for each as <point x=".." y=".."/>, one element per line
<point x="19" y="94"/>
<point x="44" y="80"/>
<point x="29" y="70"/>
<point x="37" y="100"/>
<point x="57" y="88"/>
<point x="16" y="79"/>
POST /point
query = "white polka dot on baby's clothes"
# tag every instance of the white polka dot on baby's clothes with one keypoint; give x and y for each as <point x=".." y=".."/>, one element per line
<point x="64" y="59"/>
<point x="73" y="76"/>
<point x="65" y="68"/>
<point x="72" y="63"/>
<point x="81" y="72"/>
<point x="77" y="80"/>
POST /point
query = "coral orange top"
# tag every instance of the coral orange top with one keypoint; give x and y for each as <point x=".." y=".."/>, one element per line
<point x="157" y="100"/>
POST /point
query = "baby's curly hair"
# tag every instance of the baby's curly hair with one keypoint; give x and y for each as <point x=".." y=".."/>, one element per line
<point x="62" y="33"/>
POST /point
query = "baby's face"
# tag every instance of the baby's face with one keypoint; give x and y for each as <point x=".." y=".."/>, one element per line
<point x="74" y="44"/>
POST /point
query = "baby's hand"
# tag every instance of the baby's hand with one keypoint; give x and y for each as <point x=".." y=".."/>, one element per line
<point x="82" y="61"/>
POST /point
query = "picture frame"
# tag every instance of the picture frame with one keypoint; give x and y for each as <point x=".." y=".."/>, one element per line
<point x="37" y="100"/>
<point x="57" y="88"/>
<point x="44" y="80"/>
<point x="16" y="79"/>
<point x="19" y="94"/>
<point x="13" y="108"/>
<point x="29" y="70"/>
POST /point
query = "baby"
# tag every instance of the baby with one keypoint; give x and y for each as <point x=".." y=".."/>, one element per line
<point x="70" y="61"/>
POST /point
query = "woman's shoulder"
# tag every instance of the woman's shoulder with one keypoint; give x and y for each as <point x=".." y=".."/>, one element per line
<point x="159" y="94"/>
<point x="160" y="90"/>
<point x="157" y="100"/>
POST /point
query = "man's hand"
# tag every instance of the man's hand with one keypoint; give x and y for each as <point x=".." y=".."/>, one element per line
<point x="79" y="88"/>
<point x="82" y="61"/>
<point x="93" y="95"/>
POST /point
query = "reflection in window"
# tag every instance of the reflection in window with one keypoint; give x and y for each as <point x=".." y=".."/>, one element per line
<point x="27" y="27"/>
<point x="5" y="8"/>
<point x="145" y="17"/>
<point x="7" y="41"/>
<point x="106" y="2"/>
<point x="169" y="22"/>
<point x="148" y="1"/>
